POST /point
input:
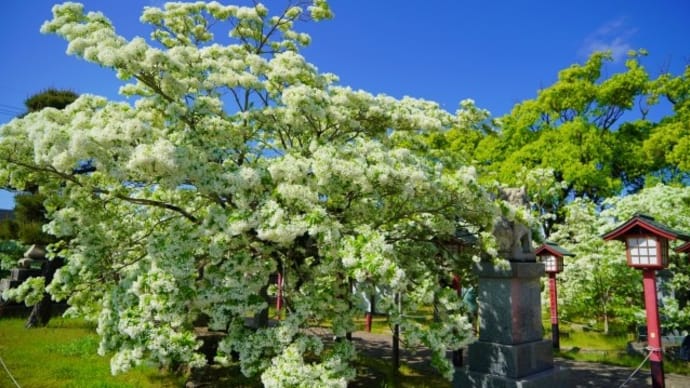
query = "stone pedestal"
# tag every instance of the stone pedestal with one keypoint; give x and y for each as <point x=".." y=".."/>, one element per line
<point x="511" y="350"/>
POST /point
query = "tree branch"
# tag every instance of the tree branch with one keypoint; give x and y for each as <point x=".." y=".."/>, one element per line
<point x="154" y="203"/>
<point x="71" y="178"/>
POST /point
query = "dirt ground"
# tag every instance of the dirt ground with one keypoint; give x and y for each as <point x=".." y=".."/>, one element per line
<point x="590" y="374"/>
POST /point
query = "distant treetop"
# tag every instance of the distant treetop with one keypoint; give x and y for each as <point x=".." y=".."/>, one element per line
<point x="54" y="98"/>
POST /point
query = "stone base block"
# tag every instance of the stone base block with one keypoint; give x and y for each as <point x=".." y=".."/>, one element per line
<point x="553" y="377"/>
<point x="510" y="303"/>
<point x="21" y="274"/>
<point x="8" y="283"/>
<point x="513" y="271"/>
<point x="512" y="361"/>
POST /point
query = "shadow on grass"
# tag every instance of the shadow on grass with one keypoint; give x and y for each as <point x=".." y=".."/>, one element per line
<point x="374" y="366"/>
<point x="216" y="376"/>
<point x="378" y="372"/>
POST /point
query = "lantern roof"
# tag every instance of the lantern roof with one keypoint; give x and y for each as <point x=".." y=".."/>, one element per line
<point x="644" y="224"/>
<point x="550" y="247"/>
<point x="685" y="248"/>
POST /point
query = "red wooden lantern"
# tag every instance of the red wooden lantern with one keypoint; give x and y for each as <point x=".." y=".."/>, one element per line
<point x="646" y="241"/>
<point x="647" y="251"/>
<point x="646" y="246"/>
<point x="552" y="256"/>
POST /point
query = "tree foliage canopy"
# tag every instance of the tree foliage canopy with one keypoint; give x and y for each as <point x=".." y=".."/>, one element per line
<point x="570" y="126"/>
<point x="668" y="145"/>
<point x="597" y="282"/>
<point x="29" y="213"/>
<point x="588" y="133"/>
<point x="235" y="161"/>
<point x="50" y="98"/>
<point x="235" y="158"/>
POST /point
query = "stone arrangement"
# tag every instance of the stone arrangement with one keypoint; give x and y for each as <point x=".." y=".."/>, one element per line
<point x="29" y="265"/>
<point x="511" y="350"/>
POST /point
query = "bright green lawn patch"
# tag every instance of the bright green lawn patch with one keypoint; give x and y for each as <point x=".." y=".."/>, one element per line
<point x="64" y="355"/>
<point x="379" y="324"/>
<point x="592" y="346"/>
<point x="621" y="358"/>
<point x="594" y="340"/>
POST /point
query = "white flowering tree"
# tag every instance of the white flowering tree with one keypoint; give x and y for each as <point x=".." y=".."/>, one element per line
<point x="234" y="159"/>
<point x="669" y="205"/>
<point x="598" y="284"/>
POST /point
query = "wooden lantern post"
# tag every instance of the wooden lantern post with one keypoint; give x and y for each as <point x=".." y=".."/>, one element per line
<point x="552" y="256"/>
<point x="370" y="312"/>
<point x="646" y="246"/>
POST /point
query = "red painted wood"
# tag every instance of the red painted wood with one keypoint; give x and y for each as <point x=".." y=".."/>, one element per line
<point x="653" y="328"/>
<point x="553" y="293"/>
<point x="633" y="226"/>
<point x="457" y="284"/>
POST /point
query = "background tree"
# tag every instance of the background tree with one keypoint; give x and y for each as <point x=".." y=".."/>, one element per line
<point x="30" y="216"/>
<point x="29" y="213"/>
<point x="597" y="284"/>
<point x="50" y="98"/>
<point x="668" y="144"/>
<point x="10" y="251"/>
<point x="570" y="127"/>
<point x="583" y="132"/>
<point x="22" y="230"/>
<point x="669" y="205"/>
<point x="235" y="161"/>
<point x="546" y="197"/>
<point x="26" y="228"/>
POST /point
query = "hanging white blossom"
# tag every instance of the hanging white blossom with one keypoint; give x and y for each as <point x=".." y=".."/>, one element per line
<point x="234" y="161"/>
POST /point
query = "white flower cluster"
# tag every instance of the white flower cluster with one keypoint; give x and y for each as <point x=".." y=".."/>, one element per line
<point x="30" y="291"/>
<point x="597" y="281"/>
<point x="235" y="161"/>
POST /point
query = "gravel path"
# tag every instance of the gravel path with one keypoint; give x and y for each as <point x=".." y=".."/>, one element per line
<point x="581" y="374"/>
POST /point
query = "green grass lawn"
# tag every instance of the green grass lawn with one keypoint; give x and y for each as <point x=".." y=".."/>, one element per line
<point x="593" y="346"/>
<point x="64" y="355"/>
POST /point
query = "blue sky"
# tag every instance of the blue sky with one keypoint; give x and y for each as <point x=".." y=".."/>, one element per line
<point x="496" y="52"/>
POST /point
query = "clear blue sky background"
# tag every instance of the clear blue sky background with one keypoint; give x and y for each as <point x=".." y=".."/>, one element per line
<point x="495" y="52"/>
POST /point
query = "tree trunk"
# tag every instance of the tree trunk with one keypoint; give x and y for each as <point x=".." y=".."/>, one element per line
<point x="261" y="318"/>
<point x="41" y="313"/>
<point x="43" y="310"/>
<point x="606" y="320"/>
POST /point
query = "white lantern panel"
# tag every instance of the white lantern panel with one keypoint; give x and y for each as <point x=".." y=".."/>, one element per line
<point x="642" y="250"/>
<point x="551" y="264"/>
